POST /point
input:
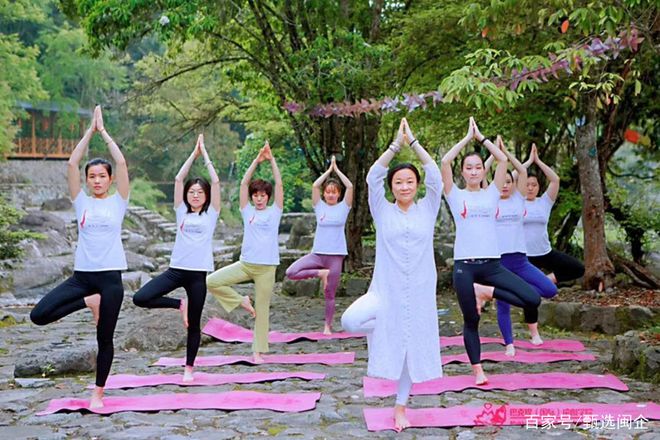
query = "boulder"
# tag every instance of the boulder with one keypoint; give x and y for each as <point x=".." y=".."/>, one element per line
<point x="157" y="331"/>
<point x="40" y="221"/>
<point x="354" y="287"/>
<point x="133" y="241"/>
<point x="53" y="244"/>
<point x="59" y="204"/>
<point x="35" y="276"/>
<point x="53" y="362"/>
<point x="133" y="281"/>
<point x="139" y="262"/>
<point x="160" y="249"/>
<point x="309" y="287"/>
<point x="632" y="356"/>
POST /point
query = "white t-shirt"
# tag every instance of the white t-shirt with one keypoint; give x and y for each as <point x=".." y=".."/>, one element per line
<point x="509" y="224"/>
<point x="99" y="233"/>
<point x="193" y="247"/>
<point x="330" y="221"/>
<point x="474" y="216"/>
<point x="260" y="229"/>
<point x="536" y="225"/>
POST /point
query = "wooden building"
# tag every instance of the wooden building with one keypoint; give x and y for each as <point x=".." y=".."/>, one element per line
<point x="48" y="131"/>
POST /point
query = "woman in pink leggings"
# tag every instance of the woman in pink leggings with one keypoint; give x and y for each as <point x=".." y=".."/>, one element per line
<point x="329" y="248"/>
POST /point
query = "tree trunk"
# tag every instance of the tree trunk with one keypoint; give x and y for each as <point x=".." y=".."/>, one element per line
<point x="599" y="271"/>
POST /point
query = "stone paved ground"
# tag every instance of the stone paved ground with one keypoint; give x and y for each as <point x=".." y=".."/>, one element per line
<point x="338" y="414"/>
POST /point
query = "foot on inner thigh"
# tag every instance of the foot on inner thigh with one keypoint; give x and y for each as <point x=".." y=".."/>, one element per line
<point x="93" y="302"/>
<point x="188" y="374"/>
<point x="247" y="305"/>
<point x="327" y="329"/>
<point x="401" y="422"/>
<point x="183" y="307"/>
<point x="96" y="399"/>
<point x="510" y="350"/>
<point x="482" y="294"/>
<point x="323" y="275"/>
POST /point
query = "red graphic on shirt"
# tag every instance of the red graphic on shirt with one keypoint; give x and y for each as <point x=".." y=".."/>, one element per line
<point x="490" y="417"/>
<point x="464" y="213"/>
<point x="181" y="227"/>
<point x="322" y="217"/>
<point x="497" y="213"/>
<point x="525" y="213"/>
<point x="82" y="221"/>
<point x="252" y="219"/>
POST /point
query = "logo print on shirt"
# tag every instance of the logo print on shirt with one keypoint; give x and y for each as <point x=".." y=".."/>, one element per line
<point x="252" y="219"/>
<point x="464" y="213"/>
<point x="525" y="213"/>
<point x="181" y="227"/>
<point x="322" y="217"/>
<point x="497" y="213"/>
<point x="82" y="221"/>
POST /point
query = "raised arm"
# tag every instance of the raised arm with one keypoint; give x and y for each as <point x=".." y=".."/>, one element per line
<point x="348" y="185"/>
<point x="448" y="158"/>
<point x="521" y="183"/>
<point x="487" y="165"/>
<point x="121" y="173"/>
<point x="316" y="186"/>
<point x="215" y="180"/>
<point x="500" y="157"/>
<point x="410" y="138"/>
<point x="279" y="187"/>
<point x="243" y="194"/>
<point x="182" y="174"/>
<point x="387" y="156"/>
<point x="553" y="178"/>
<point x="73" y="167"/>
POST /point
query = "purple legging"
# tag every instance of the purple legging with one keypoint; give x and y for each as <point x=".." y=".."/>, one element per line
<point x="518" y="264"/>
<point x="309" y="266"/>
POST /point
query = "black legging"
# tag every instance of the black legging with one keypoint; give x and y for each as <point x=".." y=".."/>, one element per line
<point x="69" y="297"/>
<point x="565" y="267"/>
<point x="509" y="287"/>
<point x="151" y="296"/>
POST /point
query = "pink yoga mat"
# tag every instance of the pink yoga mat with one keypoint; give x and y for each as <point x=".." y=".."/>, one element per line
<point x="347" y="357"/>
<point x="524" y="357"/>
<point x="228" y="332"/>
<point x="553" y="344"/>
<point x="561" y="414"/>
<point x="132" y="381"/>
<point x="230" y="401"/>
<point x="374" y="387"/>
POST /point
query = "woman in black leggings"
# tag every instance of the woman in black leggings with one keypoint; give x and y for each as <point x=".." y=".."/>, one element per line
<point x="197" y="206"/>
<point x="478" y="274"/>
<point x="560" y="266"/>
<point x="99" y="260"/>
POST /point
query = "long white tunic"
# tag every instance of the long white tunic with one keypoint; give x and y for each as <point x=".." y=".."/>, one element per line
<point x="404" y="282"/>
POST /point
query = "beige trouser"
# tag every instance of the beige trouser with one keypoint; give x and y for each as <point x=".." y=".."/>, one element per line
<point x="263" y="276"/>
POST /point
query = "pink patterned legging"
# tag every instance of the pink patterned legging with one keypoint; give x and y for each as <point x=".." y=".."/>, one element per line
<point x="309" y="266"/>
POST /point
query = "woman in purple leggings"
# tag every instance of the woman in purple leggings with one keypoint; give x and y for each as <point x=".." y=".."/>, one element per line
<point x="511" y="242"/>
<point x="329" y="248"/>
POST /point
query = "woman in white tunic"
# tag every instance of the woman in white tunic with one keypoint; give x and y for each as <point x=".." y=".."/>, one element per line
<point x="399" y="312"/>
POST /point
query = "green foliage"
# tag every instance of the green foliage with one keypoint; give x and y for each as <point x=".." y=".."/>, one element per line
<point x="10" y="235"/>
<point x="144" y="193"/>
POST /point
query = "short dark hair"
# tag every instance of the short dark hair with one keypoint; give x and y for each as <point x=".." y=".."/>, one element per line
<point x="473" y="153"/>
<point x="332" y="181"/>
<point x="206" y="187"/>
<point x="402" y="166"/>
<point x="99" y="161"/>
<point x="260" y="185"/>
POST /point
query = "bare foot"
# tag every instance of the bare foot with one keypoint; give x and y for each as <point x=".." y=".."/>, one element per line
<point x="247" y="305"/>
<point x="323" y="275"/>
<point x="482" y="294"/>
<point x="93" y="302"/>
<point x="257" y="358"/>
<point x="188" y="374"/>
<point x="534" y="332"/>
<point x="401" y="422"/>
<point x="184" y="312"/>
<point x="479" y="376"/>
<point x="510" y="350"/>
<point x="327" y="330"/>
<point x="96" y="400"/>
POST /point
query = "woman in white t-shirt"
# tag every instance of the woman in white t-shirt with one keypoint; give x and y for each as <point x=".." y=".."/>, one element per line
<point x="561" y="266"/>
<point x="478" y="274"/>
<point x="197" y="207"/>
<point x="260" y="254"/>
<point x="399" y="312"/>
<point x="99" y="259"/>
<point x="511" y="242"/>
<point x="329" y="249"/>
